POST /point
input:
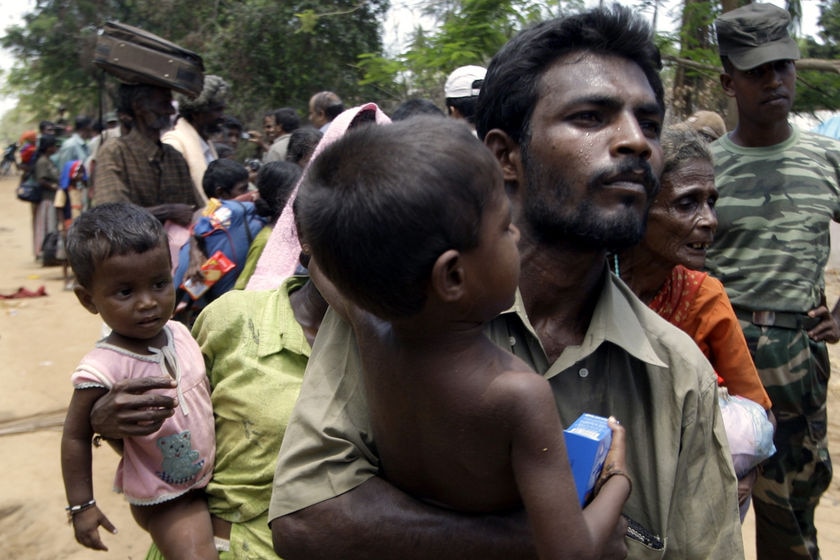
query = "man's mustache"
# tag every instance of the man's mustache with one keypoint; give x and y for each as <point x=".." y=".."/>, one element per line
<point x="638" y="171"/>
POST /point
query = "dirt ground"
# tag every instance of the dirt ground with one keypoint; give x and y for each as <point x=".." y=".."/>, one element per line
<point x="41" y="340"/>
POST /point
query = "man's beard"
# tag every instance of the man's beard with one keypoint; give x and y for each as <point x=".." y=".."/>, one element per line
<point x="551" y="220"/>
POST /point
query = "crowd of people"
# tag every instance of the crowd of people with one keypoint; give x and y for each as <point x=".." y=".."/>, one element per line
<point x="365" y="339"/>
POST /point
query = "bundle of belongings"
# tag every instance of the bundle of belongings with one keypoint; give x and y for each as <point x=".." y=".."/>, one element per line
<point x="748" y="429"/>
<point x="135" y="56"/>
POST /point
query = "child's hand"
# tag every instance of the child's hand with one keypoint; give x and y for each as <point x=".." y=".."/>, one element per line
<point x="616" y="456"/>
<point x="615" y="463"/>
<point x="86" y="525"/>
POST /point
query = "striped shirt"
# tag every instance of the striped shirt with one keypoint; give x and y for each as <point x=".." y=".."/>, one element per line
<point x="135" y="169"/>
<point x="775" y="207"/>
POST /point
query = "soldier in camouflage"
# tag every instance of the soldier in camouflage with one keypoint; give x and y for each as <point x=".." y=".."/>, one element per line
<point x="778" y="194"/>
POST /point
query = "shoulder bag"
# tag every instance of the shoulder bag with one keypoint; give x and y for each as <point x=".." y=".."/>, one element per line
<point x="29" y="190"/>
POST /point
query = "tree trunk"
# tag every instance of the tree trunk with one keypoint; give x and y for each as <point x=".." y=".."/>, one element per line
<point x="692" y="88"/>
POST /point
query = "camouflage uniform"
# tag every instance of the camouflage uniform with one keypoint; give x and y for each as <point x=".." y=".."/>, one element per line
<point x="770" y="251"/>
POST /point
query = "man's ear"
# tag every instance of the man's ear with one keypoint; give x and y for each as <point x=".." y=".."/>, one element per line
<point x="85" y="298"/>
<point x="448" y="276"/>
<point x="726" y="83"/>
<point x="507" y="153"/>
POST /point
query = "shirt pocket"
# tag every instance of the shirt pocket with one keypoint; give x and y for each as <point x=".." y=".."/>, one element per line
<point x="640" y="551"/>
<point x="641" y="543"/>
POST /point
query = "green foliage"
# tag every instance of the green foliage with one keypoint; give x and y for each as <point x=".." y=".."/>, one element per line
<point x="273" y="57"/>
<point x="279" y="53"/>
<point x="272" y="53"/>
<point x="466" y="32"/>
<point x="690" y="87"/>
<point x="821" y="90"/>
<point x="54" y="47"/>
<point x="830" y="21"/>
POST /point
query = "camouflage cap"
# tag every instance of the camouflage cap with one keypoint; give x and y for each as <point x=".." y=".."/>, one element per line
<point x="755" y="34"/>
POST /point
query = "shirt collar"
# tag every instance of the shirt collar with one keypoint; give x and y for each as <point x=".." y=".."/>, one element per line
<point x="206" y="150"/>
<point x="147" y="148"/>
<point x="280" y="330"/>
<point x="619" y="318"/>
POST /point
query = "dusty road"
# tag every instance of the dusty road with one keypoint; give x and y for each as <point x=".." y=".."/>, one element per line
<point x="42" y="339"/>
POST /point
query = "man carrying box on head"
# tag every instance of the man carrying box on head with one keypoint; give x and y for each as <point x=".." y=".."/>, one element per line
<point x="137" y="167"/>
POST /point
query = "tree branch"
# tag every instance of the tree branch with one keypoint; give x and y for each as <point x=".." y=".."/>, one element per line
<point x="818" y="64"/>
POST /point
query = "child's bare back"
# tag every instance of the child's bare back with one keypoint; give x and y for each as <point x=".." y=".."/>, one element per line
<point x="412" y="224"/>
<point x="445" y="409"/>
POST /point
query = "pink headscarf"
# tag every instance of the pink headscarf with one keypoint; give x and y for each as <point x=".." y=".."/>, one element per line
<point x="282" y="252"/>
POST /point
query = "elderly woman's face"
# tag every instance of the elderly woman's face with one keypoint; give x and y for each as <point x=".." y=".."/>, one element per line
<point x="682" y="220"/>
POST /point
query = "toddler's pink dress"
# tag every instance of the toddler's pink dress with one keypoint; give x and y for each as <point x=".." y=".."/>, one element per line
<point x="179" y="456"/>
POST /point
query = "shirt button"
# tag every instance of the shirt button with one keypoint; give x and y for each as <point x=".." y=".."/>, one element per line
<point x="583" y="372"/>
<point x="512" y="341"/>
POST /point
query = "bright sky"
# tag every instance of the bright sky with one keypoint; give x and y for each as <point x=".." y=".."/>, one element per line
<point x="405" y="13"/>
<point x="11" y="12"/>
<point x="400" y="22"/>
<point x="810" y="13"/>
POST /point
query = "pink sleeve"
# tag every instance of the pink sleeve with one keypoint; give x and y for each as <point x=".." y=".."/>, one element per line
<point x="92" y="371"/>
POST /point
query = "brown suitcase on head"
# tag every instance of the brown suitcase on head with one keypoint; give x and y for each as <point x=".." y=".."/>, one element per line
<point x="138" y="57"/>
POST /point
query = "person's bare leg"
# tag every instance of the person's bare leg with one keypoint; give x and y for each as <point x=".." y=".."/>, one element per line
<point x="181" y="528"/>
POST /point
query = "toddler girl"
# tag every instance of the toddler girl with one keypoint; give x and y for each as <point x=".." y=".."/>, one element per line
<point x="120" y="256"/>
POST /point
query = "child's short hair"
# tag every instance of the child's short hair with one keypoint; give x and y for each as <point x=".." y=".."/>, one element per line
<point x="115" y="228"/>
<point x="222" y="173"/>
<point x="382" y="203"/>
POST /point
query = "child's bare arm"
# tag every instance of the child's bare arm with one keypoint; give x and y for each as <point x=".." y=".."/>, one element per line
<point x="77" y="472"/>
<point x="544" y="479"/>
<point x="614" y="484"/>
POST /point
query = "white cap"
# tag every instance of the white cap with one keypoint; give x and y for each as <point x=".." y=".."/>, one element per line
<point x="461" y="82"/>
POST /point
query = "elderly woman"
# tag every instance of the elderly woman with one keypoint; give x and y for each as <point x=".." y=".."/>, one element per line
<point x="665" y="269"/>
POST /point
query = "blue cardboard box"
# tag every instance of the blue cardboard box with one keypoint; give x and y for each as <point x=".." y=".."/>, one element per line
<point x="587" y="443"/>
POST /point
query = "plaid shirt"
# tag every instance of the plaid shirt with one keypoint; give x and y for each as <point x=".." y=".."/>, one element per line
<point x="136" y="169"/>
